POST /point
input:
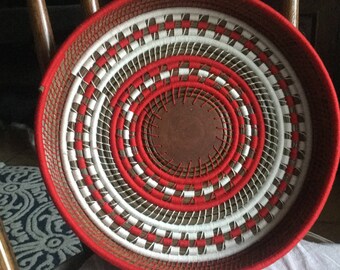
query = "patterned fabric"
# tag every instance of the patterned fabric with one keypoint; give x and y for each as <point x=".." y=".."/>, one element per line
<point x="39" y="236"/>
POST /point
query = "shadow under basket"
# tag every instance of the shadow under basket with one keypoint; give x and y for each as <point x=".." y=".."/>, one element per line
<point x="188" y="134"/>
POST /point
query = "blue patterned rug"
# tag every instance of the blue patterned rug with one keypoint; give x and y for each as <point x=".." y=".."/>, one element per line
<point x="39" y="236"/>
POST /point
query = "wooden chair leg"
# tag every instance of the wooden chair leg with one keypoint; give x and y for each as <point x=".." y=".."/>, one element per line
<point x="290" y="9"/>
<point x="90" y="6"/>
<point x="42" y="32"/>
<point x="7" y="258"/>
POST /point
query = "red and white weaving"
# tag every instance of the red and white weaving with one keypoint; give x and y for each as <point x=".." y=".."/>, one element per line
<point x="184" y="136"/>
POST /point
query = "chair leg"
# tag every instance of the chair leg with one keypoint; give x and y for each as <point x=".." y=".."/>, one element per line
<point x="42" y="32"/>
<point x="7" y="258"/>
<point x="290" y="9"/>
<point x="90" y="6"/>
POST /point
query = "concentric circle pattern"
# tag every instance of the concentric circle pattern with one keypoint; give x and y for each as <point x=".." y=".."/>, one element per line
<point x="185" y="133"/>
<point x="178" y="135"/>
<point x="188" y="134"/>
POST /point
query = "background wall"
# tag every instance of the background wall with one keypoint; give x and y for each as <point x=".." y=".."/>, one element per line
<point x="19" y="70"/>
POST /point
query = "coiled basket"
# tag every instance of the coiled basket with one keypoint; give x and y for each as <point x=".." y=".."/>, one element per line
<point x="188" y="134"/>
